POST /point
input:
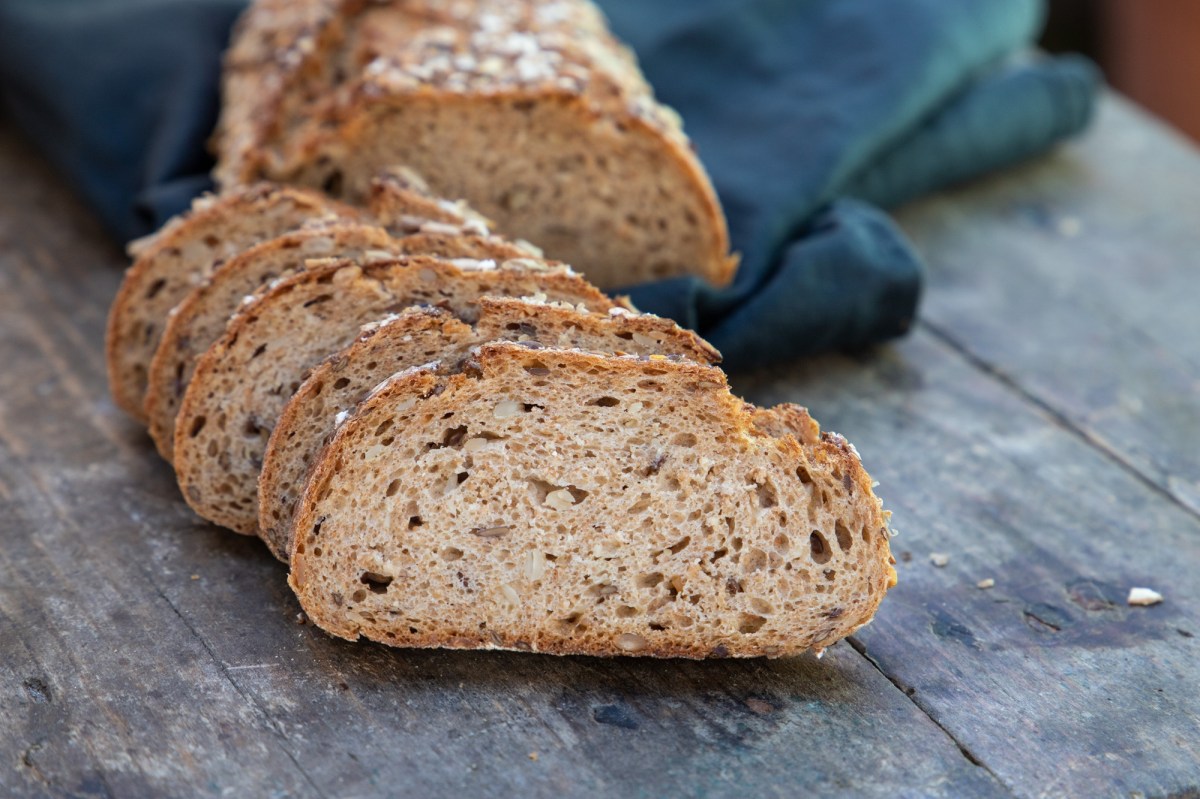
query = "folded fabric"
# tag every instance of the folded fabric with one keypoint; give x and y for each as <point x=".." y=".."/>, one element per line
<point x="797" y="107"/>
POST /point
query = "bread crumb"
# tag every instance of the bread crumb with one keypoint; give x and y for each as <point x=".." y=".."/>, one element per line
<point x="985" y="584"/>
<point x="1144" y="597"/>
<point x="195" y="577"/>
<point x="939" y="559"/>
<point x="533" y="756"/>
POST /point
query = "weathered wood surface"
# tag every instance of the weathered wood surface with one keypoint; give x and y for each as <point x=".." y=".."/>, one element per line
<point x="145" y="653"/>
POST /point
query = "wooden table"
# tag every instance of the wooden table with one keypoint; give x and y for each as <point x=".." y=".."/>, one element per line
<point x="1041" y="427"/>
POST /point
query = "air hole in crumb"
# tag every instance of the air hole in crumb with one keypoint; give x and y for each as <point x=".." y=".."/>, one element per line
<point x="392" y="488"/>
<point x="720" y="553"/>
<point x="804" y="476"/>
<point x="259" y="351"/>
<point x="866" y="535"/>
<point x="375" y="583"/>
<point x="658" y="628"/>
<point x="453" y="437"/>
<point x="680" y="545"/>
<point x="358" y="596"/>
<point x="829" y="574"/>
<point x="605" y="402"/>
<point x="649" y="580"/>
<point x="318" y="300"/>
<point x="749" y="623"/>
<point x="626" y="611"/>
<point x="844" y="539"/>
<point x="333" y="184"/>
<point x="197" y="425"/>
<point x="782" y="543"/>
<point x="626" y="335"/>
<point x="414" y="522"/>
<point x="537" y="368"/>
<point x="819" y="547"/>
<point x="767" y="498"/>
<point x="341" y="383"/>
<point x="451" y="554"/>
<point x="384" y="426"/>
<point x="156" y="287"/>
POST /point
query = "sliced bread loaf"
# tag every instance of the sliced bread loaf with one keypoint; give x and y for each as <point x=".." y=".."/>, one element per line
<point x="564" y="502"/>
<point x="242" y="382"/>
<point x="530" y="110"/>
<point x="200" y="319"/>
<point x="180" y="256"/>
<point x="419" y="336"/>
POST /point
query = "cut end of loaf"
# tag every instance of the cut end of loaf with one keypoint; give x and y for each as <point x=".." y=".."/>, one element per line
<point x="563" y="502"/>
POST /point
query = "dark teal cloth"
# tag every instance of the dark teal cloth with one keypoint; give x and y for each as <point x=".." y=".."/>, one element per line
<point x="807" y="113"/>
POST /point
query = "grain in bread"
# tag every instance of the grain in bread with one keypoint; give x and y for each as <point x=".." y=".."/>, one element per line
<point x="180" y="256"/>
<point x="418" y="336"/>
<point x="530" y="110"/>
<point x="242" y="382"/>
<point x="565" y="502"/>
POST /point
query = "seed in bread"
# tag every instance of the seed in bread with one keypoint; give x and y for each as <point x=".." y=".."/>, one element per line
<point x="615" y="506"/>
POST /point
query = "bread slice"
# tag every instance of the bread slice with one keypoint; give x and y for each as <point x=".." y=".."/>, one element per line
<point x="180" y="256"/>
<point x="419" y="336"/>
<point x="242" y="382"/>
<point x="529" y="110"/>
<point x="565" y="502"/>
<point x="200" y="319"/>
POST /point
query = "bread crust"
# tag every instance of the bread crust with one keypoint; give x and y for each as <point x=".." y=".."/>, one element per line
<point x="827" y="617"/>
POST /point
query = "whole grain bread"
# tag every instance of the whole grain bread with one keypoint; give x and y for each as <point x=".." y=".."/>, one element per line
<point x="242" y="382"/>
<point x="200" y="319"/>
<point x="421" y="335"/>
<point x="180" y="256"/>
<point x="565" y="502"/>
<point x="528" y="109"/>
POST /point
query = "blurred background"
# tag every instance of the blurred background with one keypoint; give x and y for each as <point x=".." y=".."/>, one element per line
<point x="1149" y="50"/>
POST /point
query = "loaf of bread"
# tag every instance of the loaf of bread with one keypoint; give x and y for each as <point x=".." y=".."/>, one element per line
<point x="180" y="256"/>
<point x="528" y="109"/>
<point x="565" y="502"/>
<point x="242" y="382"/>
<point x="419" y="336"/>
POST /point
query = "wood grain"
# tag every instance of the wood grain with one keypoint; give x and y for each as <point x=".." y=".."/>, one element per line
<point x="1077" y="280"/>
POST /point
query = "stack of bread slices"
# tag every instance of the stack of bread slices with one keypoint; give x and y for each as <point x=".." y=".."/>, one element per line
<point x="453" y="440"/>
